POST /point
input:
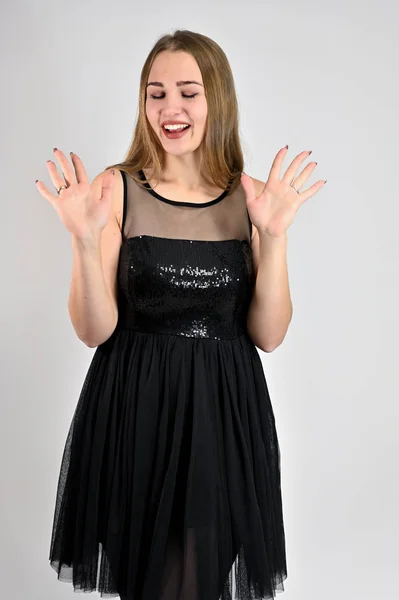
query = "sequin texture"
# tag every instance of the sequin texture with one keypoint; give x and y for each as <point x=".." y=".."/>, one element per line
<point x="193" y="288"/>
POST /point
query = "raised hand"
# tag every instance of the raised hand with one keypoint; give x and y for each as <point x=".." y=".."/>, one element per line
<point x="83" y="212"/>
<point x="273" y="211"/>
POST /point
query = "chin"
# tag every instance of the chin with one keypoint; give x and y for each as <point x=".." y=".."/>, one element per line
<point x="179" y="153"/>
<point x="173" y="148"/>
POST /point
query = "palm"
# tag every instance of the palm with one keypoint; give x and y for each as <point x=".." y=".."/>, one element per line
<point x="79" y="204"/>
<point x="274" y="209"/>
<point x="83" y="208"/>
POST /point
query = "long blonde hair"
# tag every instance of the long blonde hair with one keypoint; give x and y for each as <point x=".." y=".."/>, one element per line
<point x="221" y="151"/>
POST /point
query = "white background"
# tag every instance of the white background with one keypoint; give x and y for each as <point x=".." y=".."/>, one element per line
<point x="314" y="75"/>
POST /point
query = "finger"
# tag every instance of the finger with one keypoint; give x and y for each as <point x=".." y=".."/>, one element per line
<point x="54" y="174"/>
<point x="304" y="175"/>
<point x="249" y="187"/>
<point x="306" y="194"/>
<point x="275" y="170"/>
<point x="292" y="170"/>
<point x="81" y="174"/>
<point x="46" y="194"/>
<point x="66" y="167"/>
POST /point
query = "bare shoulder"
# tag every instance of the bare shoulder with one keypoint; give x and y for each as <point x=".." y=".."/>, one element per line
<point x="117" y="196"/>
<point x="259" y="185"/>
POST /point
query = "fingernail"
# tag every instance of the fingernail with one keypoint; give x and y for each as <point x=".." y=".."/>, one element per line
<point x="310" y="151"/>
<point x="55" y="149"/>
<point x="71" y="153"/>
<point x="286" y="146"/>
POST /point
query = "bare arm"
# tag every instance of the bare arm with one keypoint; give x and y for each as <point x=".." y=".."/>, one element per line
<point x="92" y="304"/>
<point x="271" y="310"/>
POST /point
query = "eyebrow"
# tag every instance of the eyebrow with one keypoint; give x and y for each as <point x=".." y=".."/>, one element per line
<point x="178" y="83"/>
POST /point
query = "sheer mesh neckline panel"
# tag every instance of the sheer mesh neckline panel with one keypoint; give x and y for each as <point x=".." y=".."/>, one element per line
<point x="146" y="215"/>
<point x="182" y="202"/>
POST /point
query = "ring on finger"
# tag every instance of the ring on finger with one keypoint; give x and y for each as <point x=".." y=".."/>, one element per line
<point x="292" y="185"/>
<point x="60" y="188"/>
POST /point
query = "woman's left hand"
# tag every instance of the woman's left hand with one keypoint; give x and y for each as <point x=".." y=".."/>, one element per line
<point x="273" y="211"/>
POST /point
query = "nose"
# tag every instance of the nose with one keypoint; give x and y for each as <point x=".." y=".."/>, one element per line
<point x="172" y="105"/>
<point x="174" y="115"/>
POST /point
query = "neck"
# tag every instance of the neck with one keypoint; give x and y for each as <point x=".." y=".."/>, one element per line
<point x="183" y="171"/>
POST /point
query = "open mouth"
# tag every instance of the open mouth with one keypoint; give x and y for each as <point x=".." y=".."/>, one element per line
<point x="176" y="133"/>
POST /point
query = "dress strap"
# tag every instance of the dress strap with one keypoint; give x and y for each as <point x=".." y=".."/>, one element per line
<point x="250" y="227"/>
<point x="124" y="202"/>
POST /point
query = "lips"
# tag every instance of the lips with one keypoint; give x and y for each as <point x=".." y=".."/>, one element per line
<point x="175" y="134"/>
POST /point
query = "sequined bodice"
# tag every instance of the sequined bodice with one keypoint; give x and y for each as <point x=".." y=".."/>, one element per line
<point x="172" y="278"/>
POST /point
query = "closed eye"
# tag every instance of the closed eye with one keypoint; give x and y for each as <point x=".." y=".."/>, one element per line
<point x="163" y="96"/>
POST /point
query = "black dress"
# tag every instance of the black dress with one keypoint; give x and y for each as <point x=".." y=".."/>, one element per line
<point x="169" y="486"/>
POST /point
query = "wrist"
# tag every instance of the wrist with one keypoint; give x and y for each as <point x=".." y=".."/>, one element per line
<point x="87" y="242"/>
<point x="271" y="238"/>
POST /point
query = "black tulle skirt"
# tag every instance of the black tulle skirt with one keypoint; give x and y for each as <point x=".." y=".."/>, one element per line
<point x="169" y="486"/>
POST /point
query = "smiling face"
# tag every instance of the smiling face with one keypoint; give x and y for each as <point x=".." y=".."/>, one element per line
<point x="175" y="93"/>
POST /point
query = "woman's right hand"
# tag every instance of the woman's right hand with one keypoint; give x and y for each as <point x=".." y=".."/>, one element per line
<point x="83" y="214"/>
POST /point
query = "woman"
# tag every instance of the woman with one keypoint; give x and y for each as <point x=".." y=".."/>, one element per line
<point x="170" y="480"/>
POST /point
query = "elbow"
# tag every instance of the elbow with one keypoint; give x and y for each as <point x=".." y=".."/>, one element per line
<point x="268" y="337"/>
<point x="265" y="342"/>
<point x="90" y="344"/>
<point x="264" y="346"/>
<point x="270" y="347"/>
<point x="273" y="344"/>
<point x="93" y="341"/>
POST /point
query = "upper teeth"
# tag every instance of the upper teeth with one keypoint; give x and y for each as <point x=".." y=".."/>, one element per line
<point x="180" y="126"/>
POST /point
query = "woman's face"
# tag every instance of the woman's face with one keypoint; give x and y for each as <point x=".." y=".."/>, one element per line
<point x="168" y="99"/>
